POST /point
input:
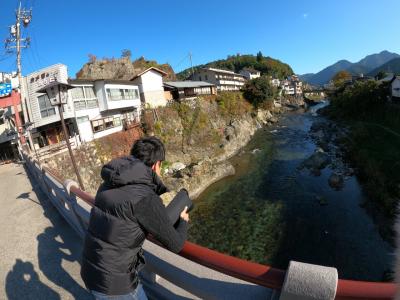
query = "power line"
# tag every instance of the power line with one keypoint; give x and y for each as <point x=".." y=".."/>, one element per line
<point x="181" y="61"/>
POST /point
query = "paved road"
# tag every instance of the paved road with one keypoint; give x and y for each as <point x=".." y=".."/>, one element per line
<point x="39" y="252"/>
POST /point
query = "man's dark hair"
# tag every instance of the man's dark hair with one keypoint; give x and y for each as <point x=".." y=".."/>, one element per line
<point x="149" y="150"/>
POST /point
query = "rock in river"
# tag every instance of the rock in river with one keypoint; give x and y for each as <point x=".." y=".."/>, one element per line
<point x="335" y="181"/>
<point x="318" y="160"/>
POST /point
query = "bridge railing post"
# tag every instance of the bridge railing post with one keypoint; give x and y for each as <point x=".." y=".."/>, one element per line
<point x="309" y="282"/>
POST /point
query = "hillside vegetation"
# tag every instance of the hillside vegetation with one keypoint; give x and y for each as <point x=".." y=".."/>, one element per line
<point x="372" y="145"/>
<point x="266" y="65"/>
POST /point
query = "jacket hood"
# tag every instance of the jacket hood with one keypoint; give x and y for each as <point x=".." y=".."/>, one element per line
<point x="130" y="170"/>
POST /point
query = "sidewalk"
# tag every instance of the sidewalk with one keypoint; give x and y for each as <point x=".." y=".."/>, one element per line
<point x="39" y="251"/>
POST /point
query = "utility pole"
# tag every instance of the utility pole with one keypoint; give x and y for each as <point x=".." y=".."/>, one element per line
<point x="191" y="63"/>
<point x="16" y="43"/>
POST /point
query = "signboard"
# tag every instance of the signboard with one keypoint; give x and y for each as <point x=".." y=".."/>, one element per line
<point x="5" y="89"/>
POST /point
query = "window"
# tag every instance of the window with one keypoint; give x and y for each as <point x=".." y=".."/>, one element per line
<point x="46" y="110"/>
<point x="92" y="103"/>
<point x="117" y="121"/>
<point x="77" y="93"/>
<point x="83" y="119"/>
<point x="84" y="97"/>
<point x="206" y="77"/>
<point x="79" y="105"/>
<point x="98" y="125"/>
<point x="103" y="124"/>
<point x="122" y="94"/>
<point x="199" y="78"/>
<point x="109" y="122"/>
<point x="89" y="92"/>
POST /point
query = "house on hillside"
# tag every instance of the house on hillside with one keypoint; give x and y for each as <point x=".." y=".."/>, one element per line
<point x="395" y="89"/>
<point x="292" y="86"/>
<point x="275" y="82"/>
<point x="250" y="73"/>
<point x="224" y="80"/>
<point x="181" y="90"/>
<point x="103" y="107"/>
<point x="151" y="87"/>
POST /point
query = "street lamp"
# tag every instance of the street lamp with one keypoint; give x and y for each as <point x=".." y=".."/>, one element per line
<point x="57" y="92"/>
<point x="28" y="126"/>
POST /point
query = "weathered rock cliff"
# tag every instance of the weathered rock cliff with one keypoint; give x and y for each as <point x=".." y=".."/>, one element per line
<point x="120" y="68"/>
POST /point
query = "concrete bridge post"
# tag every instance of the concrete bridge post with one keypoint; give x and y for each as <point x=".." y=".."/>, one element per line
<point x="309" y="282"/>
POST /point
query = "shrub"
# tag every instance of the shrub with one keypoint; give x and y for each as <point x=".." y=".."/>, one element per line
<point x="259" y="90"/>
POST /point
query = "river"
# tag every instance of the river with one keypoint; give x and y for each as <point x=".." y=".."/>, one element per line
<point x="273" y="211"/>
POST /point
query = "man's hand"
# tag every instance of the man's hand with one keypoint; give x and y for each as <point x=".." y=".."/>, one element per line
<point x="184" y="214"/>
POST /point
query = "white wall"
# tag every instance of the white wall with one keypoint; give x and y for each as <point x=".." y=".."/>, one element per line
<point x="107" y="132"/>
<point x="40" y="79"/>
<point x="396" y="88"/>
<point x="152" y="89"/>
<point x="111" y="104"/>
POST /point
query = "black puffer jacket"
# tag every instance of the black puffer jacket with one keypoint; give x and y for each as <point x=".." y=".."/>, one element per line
<point x="127" y="207"/>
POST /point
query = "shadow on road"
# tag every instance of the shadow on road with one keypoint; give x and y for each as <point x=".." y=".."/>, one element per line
<point x="27" y="197"/>
<point x="23" y="282"/>
<point x="56" y="244"/>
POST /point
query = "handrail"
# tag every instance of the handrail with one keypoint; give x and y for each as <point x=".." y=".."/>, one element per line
<point x="264" y="275"/>
<point x="252" y="272"/>
<point x="352" y="289"/>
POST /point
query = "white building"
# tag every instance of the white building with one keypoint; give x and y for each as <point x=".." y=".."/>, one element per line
<point x="46" y="121"/>
<point x="103" y="107"/>
<point x="224" y="80"/>
<point x="151" y="87"/>
<point x="250" y="73"/>
<point x="287" y="87"/>
<point x="94" y="108"/>
<point x="275" y="82"/>
<point x="292" y="86"/>
<point x="395" y="88"/>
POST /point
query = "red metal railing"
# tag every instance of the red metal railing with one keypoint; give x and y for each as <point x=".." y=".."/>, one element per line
<point x="265" y="275"/>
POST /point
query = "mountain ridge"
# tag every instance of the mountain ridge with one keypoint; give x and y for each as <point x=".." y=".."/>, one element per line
<point x="363" y="66"/>
<point x="392" y="66"/>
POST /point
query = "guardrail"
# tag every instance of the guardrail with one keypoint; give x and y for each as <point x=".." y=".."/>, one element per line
<point x="202" y="272"/>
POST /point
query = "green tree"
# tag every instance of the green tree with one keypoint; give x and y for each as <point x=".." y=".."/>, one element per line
<point x="341" y="77"/>
<point x="259" y="56"/>
<point x="126" y="53"/>
<point x="380" y="75"/>
<point x="258" y="91"/>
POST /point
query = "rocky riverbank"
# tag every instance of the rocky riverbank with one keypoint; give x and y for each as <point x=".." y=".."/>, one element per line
<point x="329" y="138"/>
<point x="196" y="177"/>
<point x="199" y="138"/>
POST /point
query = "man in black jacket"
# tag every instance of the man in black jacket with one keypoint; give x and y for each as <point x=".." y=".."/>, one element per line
<point x="127" y="208"/>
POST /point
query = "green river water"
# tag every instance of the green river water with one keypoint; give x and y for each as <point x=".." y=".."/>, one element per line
<point x="270" y="211"/>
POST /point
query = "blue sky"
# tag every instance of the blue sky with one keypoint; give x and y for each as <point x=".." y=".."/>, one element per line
<point x="309" y="35"/>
